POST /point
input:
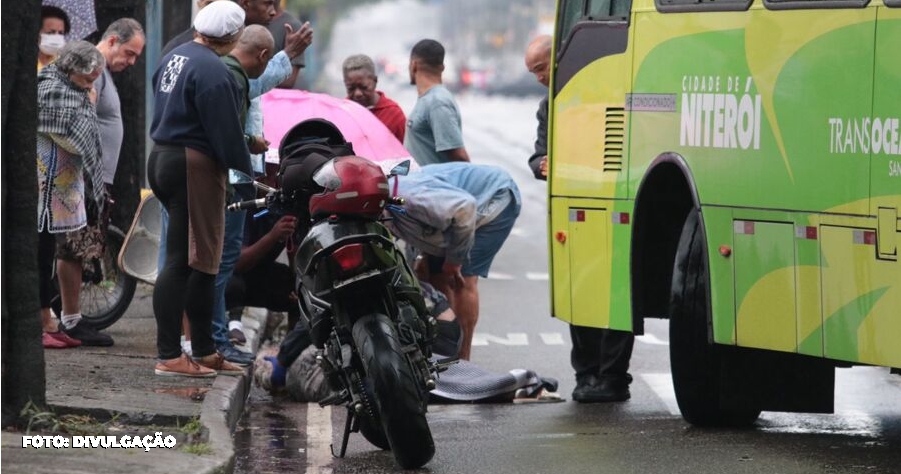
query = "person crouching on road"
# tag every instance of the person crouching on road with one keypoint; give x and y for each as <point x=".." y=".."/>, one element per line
<point x="197" y="137"/>
<point x="458" y="215"/>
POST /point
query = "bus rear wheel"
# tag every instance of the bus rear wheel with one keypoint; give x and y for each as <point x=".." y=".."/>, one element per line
<point x="696" y="363"/>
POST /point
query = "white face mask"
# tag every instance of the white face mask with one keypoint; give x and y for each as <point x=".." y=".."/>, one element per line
<point x="51" y="44"/>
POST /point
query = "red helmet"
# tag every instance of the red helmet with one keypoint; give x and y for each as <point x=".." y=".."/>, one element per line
<point x="352" y="185"/>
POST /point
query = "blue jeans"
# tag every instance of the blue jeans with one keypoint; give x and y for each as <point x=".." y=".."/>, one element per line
<point x="231" y="251"/>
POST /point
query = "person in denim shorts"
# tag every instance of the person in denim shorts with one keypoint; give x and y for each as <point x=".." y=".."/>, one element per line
<point x="457" y="215"/>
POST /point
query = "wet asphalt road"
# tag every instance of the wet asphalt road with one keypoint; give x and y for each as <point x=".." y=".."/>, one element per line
<point x="643" y="435"/>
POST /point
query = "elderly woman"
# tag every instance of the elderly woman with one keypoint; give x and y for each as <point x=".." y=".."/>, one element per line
<point x="69" y="206"/>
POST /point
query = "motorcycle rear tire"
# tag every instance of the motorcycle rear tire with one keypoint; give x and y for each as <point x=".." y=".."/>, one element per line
<point x="371" y="429"/>
<point x="400" y="403"/>
<point x="104" y="302"/>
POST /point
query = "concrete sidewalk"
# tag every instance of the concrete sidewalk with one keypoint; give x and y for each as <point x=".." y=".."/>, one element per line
<point x="117" y="386"/>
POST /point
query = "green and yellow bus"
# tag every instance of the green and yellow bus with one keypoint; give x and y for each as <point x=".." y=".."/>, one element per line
<point x="733" y="166"/>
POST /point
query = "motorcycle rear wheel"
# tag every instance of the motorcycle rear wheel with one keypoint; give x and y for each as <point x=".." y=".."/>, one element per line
<point x="400" y="403"/>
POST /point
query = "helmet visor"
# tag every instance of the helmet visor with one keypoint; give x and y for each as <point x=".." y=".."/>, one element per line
<point x="327" y="176"/>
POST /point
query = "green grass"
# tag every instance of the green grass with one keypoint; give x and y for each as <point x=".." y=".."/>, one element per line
<point x="46" y="420"/>
<point x="200" y="449"/>
<point x="192" y="427"/>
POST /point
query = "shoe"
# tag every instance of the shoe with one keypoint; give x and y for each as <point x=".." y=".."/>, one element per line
<point x="50" y="342"/>
<point x="64" y="338"/>
<point x="236" y="336"/>
<point x="88" y="336"/>
<point x="218" y="363"/>
<point x="183" y="366"/>
<point x="593" y="389"/>
<point x="234" y="355"/>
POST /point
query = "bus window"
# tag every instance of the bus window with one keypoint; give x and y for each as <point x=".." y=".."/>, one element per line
<point x="808" y="4"/>
<point x="572" y="12"/>
<point x="893" y="3"/>
<point x="605" y="9"/>
<point x="702" y="5"/>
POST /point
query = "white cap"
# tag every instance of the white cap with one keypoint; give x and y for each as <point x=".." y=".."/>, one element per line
<point x="219" y="19"/>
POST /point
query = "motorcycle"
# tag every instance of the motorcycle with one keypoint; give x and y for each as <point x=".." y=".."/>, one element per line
<point x="364" y="307"/>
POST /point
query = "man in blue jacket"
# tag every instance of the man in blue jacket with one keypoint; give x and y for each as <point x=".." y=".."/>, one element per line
<point x="457" y="215"/>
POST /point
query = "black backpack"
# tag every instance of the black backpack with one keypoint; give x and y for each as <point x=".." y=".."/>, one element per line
<point x="303" y="150"/>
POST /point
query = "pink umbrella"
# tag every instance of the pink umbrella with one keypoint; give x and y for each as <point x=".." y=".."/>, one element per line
<point x="284" y="108"/>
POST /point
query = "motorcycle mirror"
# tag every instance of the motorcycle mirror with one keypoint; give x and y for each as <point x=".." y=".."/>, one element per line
<point x="238" y="177"/>
<point x="401" y="169"/>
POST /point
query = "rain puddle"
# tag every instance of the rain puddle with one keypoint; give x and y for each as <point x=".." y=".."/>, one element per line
<point x="270" y="437"/>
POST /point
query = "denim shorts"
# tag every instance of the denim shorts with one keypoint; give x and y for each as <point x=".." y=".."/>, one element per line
<point x="489" y="239"/>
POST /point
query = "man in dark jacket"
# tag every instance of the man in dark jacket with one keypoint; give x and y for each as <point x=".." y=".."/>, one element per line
<point x="600" y="357"/>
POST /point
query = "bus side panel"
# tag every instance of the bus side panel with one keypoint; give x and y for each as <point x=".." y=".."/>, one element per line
<point x="718" y="230"/>
<point x="585" y="234"/>
<point x="749" y="91"/>
<point x="807" y="276"/>
<point x="765" y="284"/>
<point x="588" y="130"/>
<point x="861" y="296"/>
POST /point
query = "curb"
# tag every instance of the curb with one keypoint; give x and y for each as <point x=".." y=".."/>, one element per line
<point x="224" y="403"/>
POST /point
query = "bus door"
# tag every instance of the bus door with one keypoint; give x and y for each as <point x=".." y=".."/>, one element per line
<point x="885" y="134"/>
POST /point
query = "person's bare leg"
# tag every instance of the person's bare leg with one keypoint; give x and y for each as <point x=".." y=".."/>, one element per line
<point x="48" y="322"/>
<point x="466" y="306"/>
<point x="443" y="284"/>
<point x="69" y="274"/>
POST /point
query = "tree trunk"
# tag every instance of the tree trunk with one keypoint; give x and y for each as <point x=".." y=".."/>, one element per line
<point x="23" y="354"/>
<point x="130" y="83"/>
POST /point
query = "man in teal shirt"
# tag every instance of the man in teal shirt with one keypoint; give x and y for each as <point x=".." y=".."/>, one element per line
<point x="434" y="128"/>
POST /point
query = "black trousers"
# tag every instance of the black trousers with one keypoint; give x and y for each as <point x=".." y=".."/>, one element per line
<point x="267" y="286"/>
<point x="179" y="288"/>
<point x="603" y="352"/>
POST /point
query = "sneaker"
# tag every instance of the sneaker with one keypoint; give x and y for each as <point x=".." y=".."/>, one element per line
<point x="234" y="355"/>
<point x="183" y="366"/>
<point x="88" y="336"/>
<point x="593" y="389"/>
<point x="236" y="336"/>
<point x="50" y="342"/>
<point x="64" y="338"/>
<point x="218" y="363"/>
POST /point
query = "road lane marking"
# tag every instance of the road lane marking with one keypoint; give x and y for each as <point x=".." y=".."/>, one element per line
<point x="552" y="338"/>
<point x="662" y="385"/>
<point x="652" y="339"/>
<point x="319" y="439"/>
<point x="500" y="276"/>
<point x="536" y="276"/>
<point x="512" y="339"/>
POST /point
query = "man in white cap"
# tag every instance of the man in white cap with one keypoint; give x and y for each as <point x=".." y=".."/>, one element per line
<point x="197" y="136"/>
